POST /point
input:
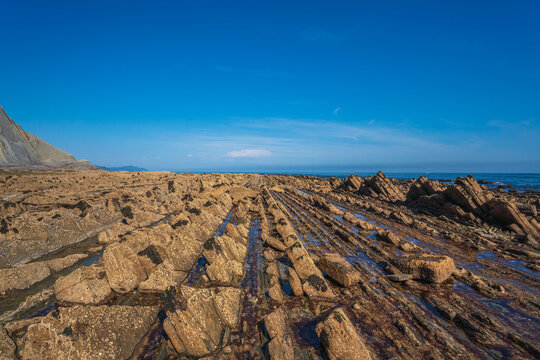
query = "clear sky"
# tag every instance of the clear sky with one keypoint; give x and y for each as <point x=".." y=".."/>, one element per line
<point x="278" y="85"/>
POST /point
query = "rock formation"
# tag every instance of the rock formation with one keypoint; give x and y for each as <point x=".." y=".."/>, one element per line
<point x="20" y="150"/>
<point x="118" y="265"/>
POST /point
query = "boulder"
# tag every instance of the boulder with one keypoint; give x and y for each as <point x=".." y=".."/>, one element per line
<point x="427" y="267"/>
<point x="339" y="269"/>
<point x="339" y="337"/>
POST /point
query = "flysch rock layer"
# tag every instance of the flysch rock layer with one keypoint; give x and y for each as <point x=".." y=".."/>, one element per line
<point x="148" y="265"/>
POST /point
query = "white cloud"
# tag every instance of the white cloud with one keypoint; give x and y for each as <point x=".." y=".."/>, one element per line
<point x="189" y="155"/>
<point x="249" y="153"/>
<point x="336" y="111"/>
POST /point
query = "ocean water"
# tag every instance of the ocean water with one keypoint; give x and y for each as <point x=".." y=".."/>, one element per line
<point x="521" y="182"/>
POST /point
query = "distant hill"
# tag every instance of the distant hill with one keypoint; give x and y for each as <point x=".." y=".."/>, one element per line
<point x="20" y="150"/>
<point x="123" y="168"/>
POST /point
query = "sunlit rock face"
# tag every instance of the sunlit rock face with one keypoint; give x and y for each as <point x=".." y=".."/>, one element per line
<point x="118" y="265"/>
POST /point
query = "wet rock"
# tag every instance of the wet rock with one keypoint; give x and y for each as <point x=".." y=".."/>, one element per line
<point x="123" y="268"/>
<point x="23" y="276"/>
<point x="399" y="277"/>
<point x="339" y="337"/>
<point x="85" y="285"/>
<point x="429" y="268"/>
<point x="88" y="332"/>
<point x="339" y="269"/>
<point x="475" y="331"/>
<point x="64" y="262"/>
<point x="201" y="318"/>
<point x="388" y="237"/>
<point x="401" y="217"/>
<point x="407" y="246"/>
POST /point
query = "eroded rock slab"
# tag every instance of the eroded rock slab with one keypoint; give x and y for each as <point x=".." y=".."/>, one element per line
<point x="88" y="332"/>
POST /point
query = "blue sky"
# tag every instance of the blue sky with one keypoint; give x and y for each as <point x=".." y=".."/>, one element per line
<point x="278" y="85"/>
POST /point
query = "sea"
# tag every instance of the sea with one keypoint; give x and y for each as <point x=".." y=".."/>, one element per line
<point x="521" y="182"/>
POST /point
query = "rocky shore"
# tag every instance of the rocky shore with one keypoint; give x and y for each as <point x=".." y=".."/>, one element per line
<point x="157" y="265"/>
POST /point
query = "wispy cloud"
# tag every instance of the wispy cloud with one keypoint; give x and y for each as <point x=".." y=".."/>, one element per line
<point x="249" y="153"/>
<point x="336" y="111"/>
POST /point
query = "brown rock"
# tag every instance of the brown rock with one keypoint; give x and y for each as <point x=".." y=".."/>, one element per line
<point x="7" y="346"/>
<point x="163" y="277"/>
<point x="379" y="186"/>
<point x="388" y="237"/>
<point x="124" y="270"/>
<point x="294" y="281"/>
<point x="65" y="262"/>
<point x="88" y="332"/>
<point x="280" y="345"/>
<point x="85" y="285"/>
<point x="200" y="319"/>
<point x="426" y="267"/>
<point x="339" y="269"/>
<point x="339" y="337"/>
<point x="23" y="276"/>
<point x="424" y="187"/>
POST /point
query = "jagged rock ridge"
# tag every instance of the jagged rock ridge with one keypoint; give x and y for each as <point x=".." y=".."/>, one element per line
<point x="20" y="150"/>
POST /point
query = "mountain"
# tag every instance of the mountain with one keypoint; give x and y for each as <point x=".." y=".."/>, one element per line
<point x="129" y="168"/>
<point x="20" y="150"/>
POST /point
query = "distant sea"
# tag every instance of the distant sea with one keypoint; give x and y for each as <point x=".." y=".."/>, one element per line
<point x="521" y="182"/>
